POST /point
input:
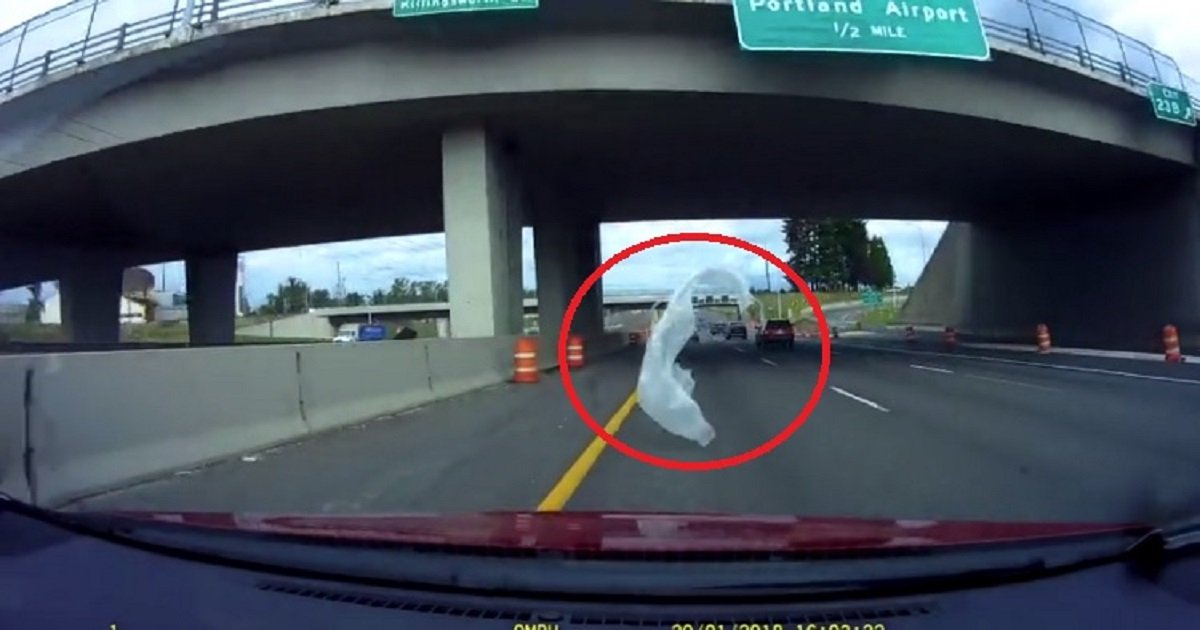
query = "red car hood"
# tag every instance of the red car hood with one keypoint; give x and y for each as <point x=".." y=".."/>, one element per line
<point x="626" y="532"/>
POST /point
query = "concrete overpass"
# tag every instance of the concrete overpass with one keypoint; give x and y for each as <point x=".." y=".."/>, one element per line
<point x="274" y="130"/>
<point x="324" y="322"/>
<point x="429" y="310"/>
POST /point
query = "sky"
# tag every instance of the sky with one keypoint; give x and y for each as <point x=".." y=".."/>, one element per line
<point x="1171" y="26"/>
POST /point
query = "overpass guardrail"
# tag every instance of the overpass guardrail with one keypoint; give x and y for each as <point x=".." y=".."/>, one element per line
<point x="82" y="31"/>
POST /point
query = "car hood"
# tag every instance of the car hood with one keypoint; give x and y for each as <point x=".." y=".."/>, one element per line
<point x="639" y="532"/>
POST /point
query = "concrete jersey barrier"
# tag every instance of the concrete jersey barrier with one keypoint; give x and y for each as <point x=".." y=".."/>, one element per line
<point x="102" y="420"/>
<point x="345" y="383"/>
<point x="99" y="421"/>
<point x="13" y="481"/>
<point x="456" y="367"/>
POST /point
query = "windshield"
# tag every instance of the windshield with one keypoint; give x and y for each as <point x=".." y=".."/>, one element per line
<point x="893" y="278"/>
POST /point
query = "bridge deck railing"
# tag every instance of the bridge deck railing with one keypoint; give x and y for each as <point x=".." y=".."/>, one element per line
<point x="84" y="30"/>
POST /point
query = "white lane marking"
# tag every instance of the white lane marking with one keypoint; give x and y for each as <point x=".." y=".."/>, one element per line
<point x="993" y="379"/>
<point x="739" y="350"/>
<point x="860" y="399"/>
<point x="1050" y="366"/>
<point x="769" y="362"/>
<point x="930" y="369"/>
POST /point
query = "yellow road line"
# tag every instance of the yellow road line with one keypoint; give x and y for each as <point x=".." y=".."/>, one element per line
<point x="566" y="487"/>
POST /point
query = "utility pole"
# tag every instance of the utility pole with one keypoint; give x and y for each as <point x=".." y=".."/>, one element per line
<point x="778" y="295"/>
<point x="339" y="290"/>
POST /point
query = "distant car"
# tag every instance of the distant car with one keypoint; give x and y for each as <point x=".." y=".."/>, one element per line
<point x="346" y="336"/>
<point x="718" y="328"/>
<point x="736" y="330"/>
<point x="777" y="332"/>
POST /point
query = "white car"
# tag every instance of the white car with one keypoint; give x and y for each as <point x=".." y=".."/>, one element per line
<point x="345" y="337"/>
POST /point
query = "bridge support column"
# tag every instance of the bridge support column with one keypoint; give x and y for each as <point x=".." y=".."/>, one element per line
<point x="90" y="302"/>
<point x="1102" y="272"/>
<point x="212" y="298"/>
<point x="567" y="250"/>
<point x="483" y="215"/>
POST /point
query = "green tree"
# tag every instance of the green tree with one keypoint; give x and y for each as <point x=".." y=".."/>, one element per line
<point x="854" y="246"/>
<point x="290" y="297"/>
<point x="406" y="291"/>
<point x="830" y="254"/>
<point x="800" y="236"/>
<point x="321" y="298"/>
<point x="400" y="291"/>
<point x="880" y="263"/>
<point x="355" y="299"/>
<point x="830" y="269"/>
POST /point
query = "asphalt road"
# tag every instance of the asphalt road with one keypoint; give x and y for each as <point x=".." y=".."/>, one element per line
<point x="900" y="432"/>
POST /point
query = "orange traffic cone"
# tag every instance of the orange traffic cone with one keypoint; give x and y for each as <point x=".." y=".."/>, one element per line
<point x="575" y="351"/>
<point x="1171" y="344"/>
<point x="951" y="338"/>
<point x="525" y="368"/>
<point x="1043" y="339"/>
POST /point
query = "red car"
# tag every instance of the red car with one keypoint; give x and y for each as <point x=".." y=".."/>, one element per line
<point x="777" y="332"/>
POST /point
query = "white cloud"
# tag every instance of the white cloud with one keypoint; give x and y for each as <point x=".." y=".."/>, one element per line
<point x="17" y="11"/>
<point x="1171" y="26"/>
<point x="910" y="244"/>
<point x="371" y="264"/>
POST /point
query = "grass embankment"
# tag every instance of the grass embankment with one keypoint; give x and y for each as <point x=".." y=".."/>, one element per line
<point x="779" y="307"/>
<point x="882" y="316"/>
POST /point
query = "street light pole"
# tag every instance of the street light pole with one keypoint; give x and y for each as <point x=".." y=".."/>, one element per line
<point x="924" y="257"/>
<point x="778" y="295"/>
<point x="921" y="234"/>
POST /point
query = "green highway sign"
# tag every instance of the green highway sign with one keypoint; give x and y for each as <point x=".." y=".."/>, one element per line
<point x="935" y="28"/>
<point x="415" y="8"/>
<point x="1171" y="104"/>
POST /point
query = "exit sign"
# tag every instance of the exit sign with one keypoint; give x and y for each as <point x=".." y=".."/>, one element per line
<point x="1172" y="105"/>
<point x="943" y="28"/>
<point x="415" y="8"/>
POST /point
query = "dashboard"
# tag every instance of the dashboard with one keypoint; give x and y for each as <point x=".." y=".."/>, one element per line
<point x="51" y="577"/>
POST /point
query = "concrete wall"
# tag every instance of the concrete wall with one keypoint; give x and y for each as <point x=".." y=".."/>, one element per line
<point x="13" y="441"/>
<point x="456" y="367"/>
<point x="104" y="420"/>
<point x="373" y="65"/>
<point x="936" y="298"/>
<point x="100" y="420"/>
<point x="1104" y="273"/>
<point x="342" y="383"/>
<point x="482" y="209"/>
<point x="370" y="144"/>
<point x="304" y="326"/>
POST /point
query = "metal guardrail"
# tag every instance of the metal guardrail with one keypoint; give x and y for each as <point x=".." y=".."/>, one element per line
<point x="84" y="30"/>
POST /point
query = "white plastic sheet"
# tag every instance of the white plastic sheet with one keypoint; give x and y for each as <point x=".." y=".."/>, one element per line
<point x="664" y="387"/>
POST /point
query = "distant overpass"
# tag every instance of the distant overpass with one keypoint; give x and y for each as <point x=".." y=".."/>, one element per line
<point x="433" y="310"/>
<point x="322" y="322"/>
<point x="429" y="310"/>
